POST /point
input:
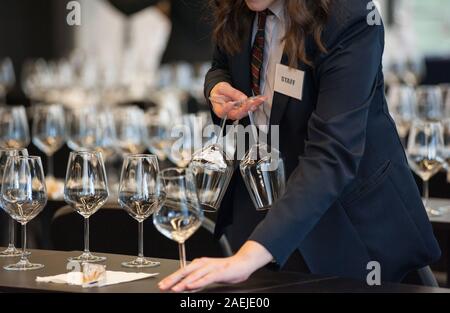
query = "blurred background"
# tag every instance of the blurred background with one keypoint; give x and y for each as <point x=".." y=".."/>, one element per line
<point x="132" y="68"/>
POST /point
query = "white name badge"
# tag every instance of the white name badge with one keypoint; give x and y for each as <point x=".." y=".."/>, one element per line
<point x="289" y="81"/>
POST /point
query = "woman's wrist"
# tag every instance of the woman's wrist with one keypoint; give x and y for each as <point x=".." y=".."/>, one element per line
<point x="254" y="255"/>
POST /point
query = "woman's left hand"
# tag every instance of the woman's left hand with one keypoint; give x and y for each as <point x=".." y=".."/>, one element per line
<point x="205" y="271"/>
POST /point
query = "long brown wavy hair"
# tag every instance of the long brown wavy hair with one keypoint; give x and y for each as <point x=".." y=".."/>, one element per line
<point x="304" y="17"/>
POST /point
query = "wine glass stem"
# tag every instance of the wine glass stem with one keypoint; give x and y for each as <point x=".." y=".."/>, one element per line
<point x="253" y="127"/>
<point x="24" y="243"/>
<point x="141" y="239"/>
<point x="12" y="233"/>
<point x="182" y="255"/>
<point x="222" y="127"/>
<point x="86" y="235"/>
<point x="50" y="172"/>
<point x="426" y="192"/>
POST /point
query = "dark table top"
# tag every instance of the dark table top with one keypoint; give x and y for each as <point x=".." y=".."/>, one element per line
<point x="263" y="281"/>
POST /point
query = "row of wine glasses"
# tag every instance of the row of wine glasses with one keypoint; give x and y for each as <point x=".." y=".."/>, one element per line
<point x="424" y="102"/>
<point x="422" y="117"/>
<point x="143" y="192"/>
<point x="48" y="130"/>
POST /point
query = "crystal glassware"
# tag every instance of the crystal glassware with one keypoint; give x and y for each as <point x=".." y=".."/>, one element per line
<point x="426" y="154"/>
<point x="24" y="196"/>
<point x="181" y="215"/>
<point x="14" y="131"/>
<point x="262" y="170"/>
<point x="86" y="191"/>
<point x="49" y="131"/>
<point x="141" y="193"/>
<point x="5" y="154"/>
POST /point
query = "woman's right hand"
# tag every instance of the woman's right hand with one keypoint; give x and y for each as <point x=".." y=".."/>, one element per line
<point x="228" y="94"/>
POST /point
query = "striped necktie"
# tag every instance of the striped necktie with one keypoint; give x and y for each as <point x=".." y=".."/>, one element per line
<point x="258" y="52"/>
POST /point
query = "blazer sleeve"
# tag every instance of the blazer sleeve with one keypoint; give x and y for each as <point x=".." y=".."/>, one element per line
<point x="347" y="78"/>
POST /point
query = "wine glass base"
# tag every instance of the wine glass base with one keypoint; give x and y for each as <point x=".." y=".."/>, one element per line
<point x="87" y="257"/>
<point x="436" y="212"/>
<point x="10" y="252"/>
<point x="140" y="262"/>
<point x="23" y="266"/>
<point x="432" y="212"/>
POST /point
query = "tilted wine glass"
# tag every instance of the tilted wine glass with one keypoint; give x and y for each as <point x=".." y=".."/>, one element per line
<point x="181" y="215"/>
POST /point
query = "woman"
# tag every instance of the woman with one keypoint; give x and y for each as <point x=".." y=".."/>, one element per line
<point x="350" y="198"/>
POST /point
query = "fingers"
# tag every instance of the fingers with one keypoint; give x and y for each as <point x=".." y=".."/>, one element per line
<point x="226" y="90"/>
<point x="221" y="109"/>
<point x="251" y="105"/>
<point x="222" y="97"/>
<point x="193" y="277"/>
<point x="205" y="281"/>
<point x="175" y="278"/>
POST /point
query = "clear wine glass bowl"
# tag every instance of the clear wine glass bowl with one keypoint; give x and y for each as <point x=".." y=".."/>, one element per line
<point x="212" y="170"/>
<point x="262" y="170"/>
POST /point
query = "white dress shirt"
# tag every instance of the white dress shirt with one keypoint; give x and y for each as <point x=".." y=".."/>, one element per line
<point x="273" y="52"/>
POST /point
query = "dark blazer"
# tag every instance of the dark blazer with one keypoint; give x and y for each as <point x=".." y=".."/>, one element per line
<point x="350" y="197"/>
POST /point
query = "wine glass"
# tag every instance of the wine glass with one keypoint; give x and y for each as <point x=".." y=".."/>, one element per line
<point x="425" y="154"/>
<point x="181" y="215"/>
<point x="81" y="128"/>
<point x="429" y="106"/>
<point x="49" y="131"/>
<point x="402" y="104"/>
<point x="105" y="138"/>
<point x="86" y="191"/>
<point x="141" y="193"/>
<point x="7" y="77"/>
<point x="262" y="170"/>
<point x="24" y="195"/>
<point x="212" y="169"/>
<point x="445" y="88"/>
<point x="158" y="135"/>
<point x="131" y="129"/>
<point x="5" y="154"/>
<point x="14" y="131"/>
